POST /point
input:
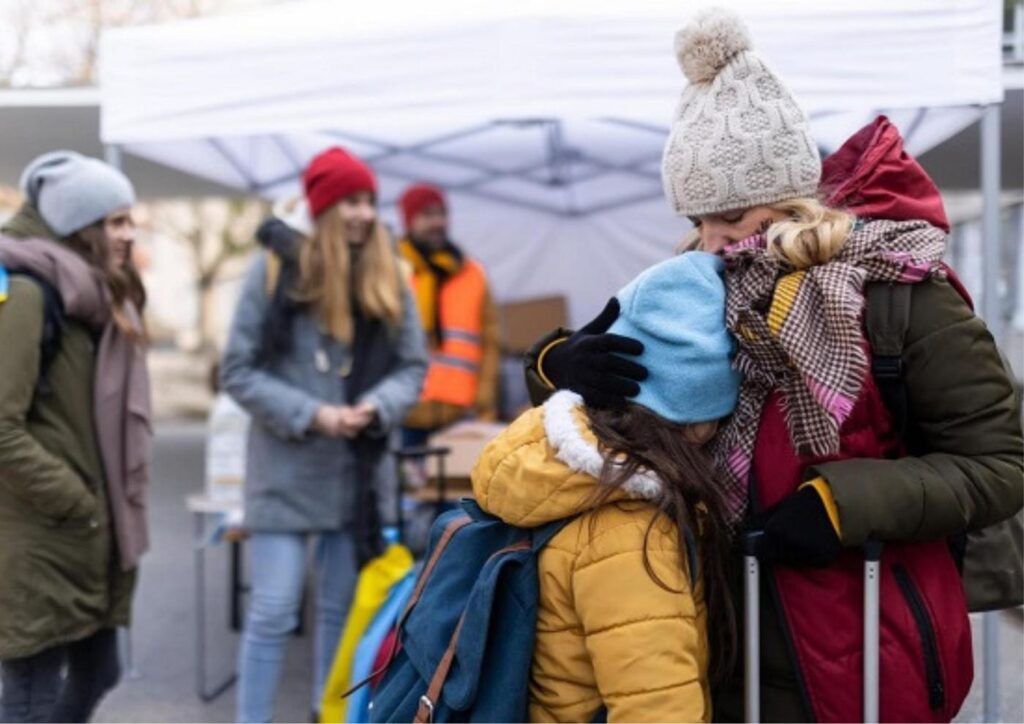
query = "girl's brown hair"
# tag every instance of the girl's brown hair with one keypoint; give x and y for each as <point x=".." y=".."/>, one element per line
<point x="328" y="282"/>
<point x="124" y="282"/>
<point x="634" y="439"/>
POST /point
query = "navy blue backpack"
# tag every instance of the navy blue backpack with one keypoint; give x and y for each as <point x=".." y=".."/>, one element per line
<point x="467" y="634"/>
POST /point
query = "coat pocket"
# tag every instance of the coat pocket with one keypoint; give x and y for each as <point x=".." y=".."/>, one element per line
<point x="926" y="631"/>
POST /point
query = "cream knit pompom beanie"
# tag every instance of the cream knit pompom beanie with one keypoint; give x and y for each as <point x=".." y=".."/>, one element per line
<point x="738" y="138"/>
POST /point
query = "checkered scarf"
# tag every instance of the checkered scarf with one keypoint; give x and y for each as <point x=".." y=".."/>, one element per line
<point x="800" y="332"/>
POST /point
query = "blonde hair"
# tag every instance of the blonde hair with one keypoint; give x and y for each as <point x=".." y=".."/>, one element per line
<point x="326" y="278"/>
<point x="811" y="234"/>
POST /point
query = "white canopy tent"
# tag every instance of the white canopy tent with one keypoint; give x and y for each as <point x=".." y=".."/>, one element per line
<point x="544" y="120"/>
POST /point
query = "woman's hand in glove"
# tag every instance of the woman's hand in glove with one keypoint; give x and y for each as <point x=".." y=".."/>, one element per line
<point x="797" y="532"/>
<point x="590" y="363"/>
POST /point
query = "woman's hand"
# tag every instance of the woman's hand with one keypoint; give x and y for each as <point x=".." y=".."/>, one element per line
<point x="798" y="532"/>
<point x="328" y="420"/>
<point x="345" y="421"/>
<point x="590" y="362"/>
<point x="356" y="418"/>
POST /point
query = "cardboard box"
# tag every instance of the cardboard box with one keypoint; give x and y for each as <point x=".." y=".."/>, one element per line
<point x="523" y="322"/>
<point x="466" y="440"/>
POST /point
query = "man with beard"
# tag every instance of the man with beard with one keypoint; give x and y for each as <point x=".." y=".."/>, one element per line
<point x="458" y="318"/>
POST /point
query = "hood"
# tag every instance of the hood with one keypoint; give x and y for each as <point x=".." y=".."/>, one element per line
<point x="874" y="177"/>
<point x="545" y="467"/>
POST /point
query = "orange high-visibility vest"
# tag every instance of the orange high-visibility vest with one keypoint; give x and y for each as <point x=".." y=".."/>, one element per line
<point x="454" y="373"/>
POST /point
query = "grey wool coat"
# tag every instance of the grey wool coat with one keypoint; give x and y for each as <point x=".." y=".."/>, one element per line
<point x="298" y="480"/>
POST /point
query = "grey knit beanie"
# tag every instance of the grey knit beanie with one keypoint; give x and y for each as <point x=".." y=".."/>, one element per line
<point x="738" y="138"/>
<point x="72" y="191"/>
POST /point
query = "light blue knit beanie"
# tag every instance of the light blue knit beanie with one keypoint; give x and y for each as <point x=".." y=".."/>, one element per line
<point x="677" y="309"/>
<point x="72" y="191"/>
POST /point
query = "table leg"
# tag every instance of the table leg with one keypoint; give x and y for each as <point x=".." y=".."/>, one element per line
<point x="199" y="564"/>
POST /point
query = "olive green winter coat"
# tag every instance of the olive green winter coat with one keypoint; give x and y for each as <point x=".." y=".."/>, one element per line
<point x="59" y="576"/>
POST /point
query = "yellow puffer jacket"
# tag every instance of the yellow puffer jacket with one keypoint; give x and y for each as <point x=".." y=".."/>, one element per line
<point x="607" y="633"/>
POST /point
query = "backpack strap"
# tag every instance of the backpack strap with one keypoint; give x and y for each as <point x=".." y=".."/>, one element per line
<point x="273" y="273"/>
<point x="53" y="330"/>
<point x="53" y="322"/>
<point x="886" y="321"/>
<point x="453" y="527"/>
<point x="541" y="536"/>
<point x="456" y="524"/>
<point x="692" y="560"/>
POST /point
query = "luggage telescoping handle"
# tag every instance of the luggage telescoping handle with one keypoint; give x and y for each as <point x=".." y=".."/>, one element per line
<point x="425" y="451"/>
<point x="872" y="626"/>
<point x="752" y="627"/>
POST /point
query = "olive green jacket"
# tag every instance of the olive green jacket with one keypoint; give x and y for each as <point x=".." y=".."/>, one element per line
<point x="59" y="576"/>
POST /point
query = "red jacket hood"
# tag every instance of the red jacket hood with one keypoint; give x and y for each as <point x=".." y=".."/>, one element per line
<point x="872" y="176"/>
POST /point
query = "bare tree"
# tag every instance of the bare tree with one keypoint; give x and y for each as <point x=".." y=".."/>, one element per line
<point x="58" y="40"/>
<point x="215" y="232"/>
<point x="19" y="20"/>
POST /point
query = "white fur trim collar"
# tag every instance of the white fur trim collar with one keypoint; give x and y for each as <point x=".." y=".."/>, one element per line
<point x="581" y="455"/>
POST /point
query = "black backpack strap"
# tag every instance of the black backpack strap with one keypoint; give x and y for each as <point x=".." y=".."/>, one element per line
<point x="692" y="557"/>
<point x="886" y="320"/>
<point x="53" y="328"/>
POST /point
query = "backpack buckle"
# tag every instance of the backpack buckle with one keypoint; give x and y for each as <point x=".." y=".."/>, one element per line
<point x="429" y="705"/>
<point x="887" y="367"/>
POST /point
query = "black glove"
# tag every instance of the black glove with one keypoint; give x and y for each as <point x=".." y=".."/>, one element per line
<point x="797" y="532"/>
<point x="589" y="364"/>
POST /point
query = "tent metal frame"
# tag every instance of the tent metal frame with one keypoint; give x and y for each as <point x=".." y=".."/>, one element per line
<point x="563" y="166"/>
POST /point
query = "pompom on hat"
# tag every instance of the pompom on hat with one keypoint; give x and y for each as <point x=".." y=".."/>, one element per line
<point x="738" y="139"/>
<point x="707" y="45"/>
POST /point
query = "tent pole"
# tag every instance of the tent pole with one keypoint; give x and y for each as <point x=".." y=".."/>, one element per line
<point x="112" y="155"/>
<point x="991" y="234"/>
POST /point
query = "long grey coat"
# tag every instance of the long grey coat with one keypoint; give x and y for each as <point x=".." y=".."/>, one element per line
<point x="296" y="479"/>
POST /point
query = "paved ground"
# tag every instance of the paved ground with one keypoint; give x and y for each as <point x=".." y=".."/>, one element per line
<point x="164" y="631"/>
<point x="164" y="640"/>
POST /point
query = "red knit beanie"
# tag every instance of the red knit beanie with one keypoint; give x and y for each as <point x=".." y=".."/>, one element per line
<point x="416" y="198"/>
<point x="333" y="175"/>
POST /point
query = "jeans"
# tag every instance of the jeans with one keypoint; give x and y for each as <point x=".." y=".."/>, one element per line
<point x="33" y="690"/>
<point x="277" y="562"/>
